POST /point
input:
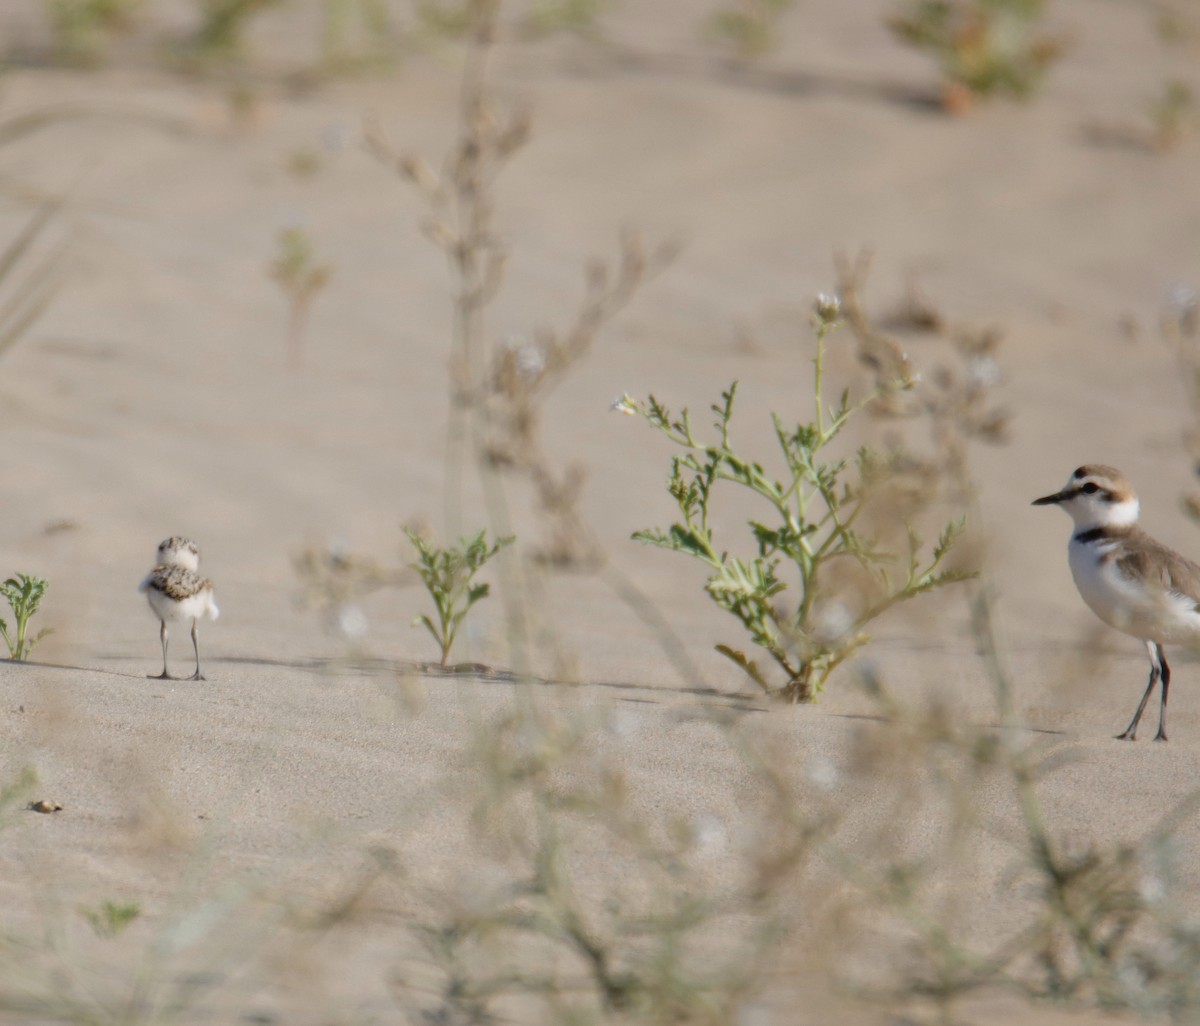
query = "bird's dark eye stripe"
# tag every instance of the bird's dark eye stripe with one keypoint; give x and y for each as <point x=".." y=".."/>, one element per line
<point x="1091" y="488"/>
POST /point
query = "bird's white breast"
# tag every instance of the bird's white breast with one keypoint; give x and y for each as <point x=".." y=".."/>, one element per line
<point x="1144" y="609"/>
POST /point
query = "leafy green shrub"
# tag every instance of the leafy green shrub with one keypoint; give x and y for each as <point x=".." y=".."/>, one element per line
<point x="24" y="593"/>
<point x="222" y="25"/>
<point x="110" y="918"/>
<point x="984" y="47"/>
<point x="448" y="575"/>
<point x="82" y="28"/>
<point x="813" y="526"/>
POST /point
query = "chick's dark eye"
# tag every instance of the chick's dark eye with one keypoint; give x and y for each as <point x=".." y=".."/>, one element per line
<point x="1091" y="488"/>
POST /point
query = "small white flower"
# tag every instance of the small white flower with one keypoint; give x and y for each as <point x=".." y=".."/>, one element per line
<point x="352" y="621"/>
<point x="984" y="372"/>
<point x="528" y="359"/>
<point x="338" y="551"/>
<point x="828" y="308"/>
<point x="1181" y="304"/>
<point x="832" y="622"/>
<point x="623" y="724"/>
<point x="531" y="361"/>
<point x="1180" y="298"/>
<point x="625" y="404"/>
<point x="708" y="835"/>
<point x="1151" y="888"/>
<point x="822" y="773"/>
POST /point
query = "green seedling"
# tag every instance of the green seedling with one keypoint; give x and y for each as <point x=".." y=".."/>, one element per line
<point x="110" y="918"/>
<point x="1173" y="114"/>
<point x="813" y="526"/>
<point x="23" y="593"/>
<point x="578" y="16"/>
<point x="301" y="278"/>
<point x="449" y="576"/>
<point x="450" y="20"/>
<point x="82" y="28"/>
<point x="984" y="47"/>
<point x="749" y="27"/>
<point x="347" y="21"/>
<point x="222" y="25"/>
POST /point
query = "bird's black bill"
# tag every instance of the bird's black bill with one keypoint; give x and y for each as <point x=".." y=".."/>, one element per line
<point x="1049" y="500"/>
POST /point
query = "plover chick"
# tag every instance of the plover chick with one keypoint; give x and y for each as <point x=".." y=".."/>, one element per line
<point x="177" y="592"/>
<point x="1129" y="580"/>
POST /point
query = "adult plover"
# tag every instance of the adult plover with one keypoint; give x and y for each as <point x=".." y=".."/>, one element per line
<point x="1129" y="580"/>
<point x="177" y="592"/>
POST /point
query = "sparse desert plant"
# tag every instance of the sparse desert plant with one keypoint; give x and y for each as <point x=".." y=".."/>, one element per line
<point x="1173" y="114"/>
<point x="300" y="276"/>
<point x="578" y="16"/>
<point x="497" y="388"/>
<point x="983" y="47"/>
<point x="222" y="25"/>
<point x="449" y="18"/>
<point x="812" y="526"/>
<point x="1177" y="22"/>
<point x="448" y="574"/>
<point x="1105" y="924"/>
<point x="955" y="397"/>
<point x="592" y="907"/>
<point x="82" y="28"/>
<point x="748" y="27"/>
<point x="335" y="582"/>
<point x="24" y="594"/>
<point x="110" y="918"/>
<point x="374" y="31"/>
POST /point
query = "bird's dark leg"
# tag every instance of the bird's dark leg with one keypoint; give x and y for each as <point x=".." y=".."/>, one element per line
<point x="196" y="647"/>
<point x="1166" y="681"/>
<point x="163" y="636"/>
<point x="1130" y="733"/>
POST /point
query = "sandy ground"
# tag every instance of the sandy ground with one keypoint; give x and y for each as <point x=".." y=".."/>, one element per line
<point x="153" y="398"/>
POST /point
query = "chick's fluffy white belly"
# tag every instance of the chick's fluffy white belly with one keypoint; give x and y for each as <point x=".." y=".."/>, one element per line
<point x="193" y="607"/>
<point x="1146" y="611"/>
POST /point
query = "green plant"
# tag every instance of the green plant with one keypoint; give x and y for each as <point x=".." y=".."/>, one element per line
<point x="578" y="16"/>
<point x="1177" y="22"/>
<point x="374" y="32"/>
<point x="497" y="391"/>
<point x="222" y="23"/>
<point x="448" y="575"/>
<point x="814" y="510"/>
<point x="1106" y="922"/>
<point x="82" y="27"/>
<point x="1173" y="114"/>
<point x="588" y="905"/>
<point x="23" y="593"/>
<point x="984" y="47"/>
<point x="446" y="18"/>
<point x="301" y="278"/>
<point x="749" y="27"/>
<point x="110" y="918"/>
